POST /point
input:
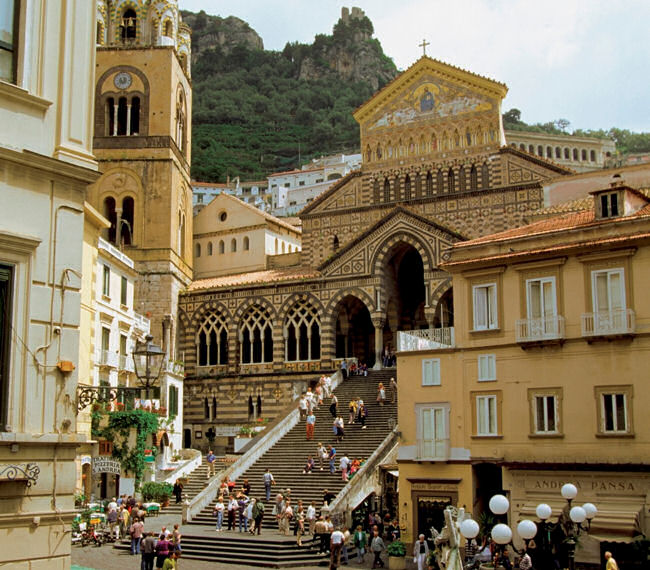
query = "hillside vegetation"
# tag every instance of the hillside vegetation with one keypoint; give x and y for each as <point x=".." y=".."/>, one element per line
<point x="256" y="112"/>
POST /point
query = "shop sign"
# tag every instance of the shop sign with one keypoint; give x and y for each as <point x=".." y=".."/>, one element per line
<point x="106" y="465"/>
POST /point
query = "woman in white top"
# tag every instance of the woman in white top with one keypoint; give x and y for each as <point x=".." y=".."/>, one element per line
<point x="218" y="512"/>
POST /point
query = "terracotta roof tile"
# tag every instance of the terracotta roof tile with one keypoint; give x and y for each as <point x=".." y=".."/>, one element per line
<point x="255" y="278"/>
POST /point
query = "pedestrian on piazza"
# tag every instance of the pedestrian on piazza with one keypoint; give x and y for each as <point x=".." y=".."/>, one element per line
<point x="377" y="547"/>
<point x="233" y="507"/>
<point x="258" y="516"/>
<point x="336" y="545"/>
<point x="299" y="522"/>
<point x="360" y="541"/>
<point x="218" y="512"/>
<point x="148" y="549"/>
<point x="346" y="544"/>
<point x="136" y="531"/>
<point x="310" y="424"/>
<point x="420" y="552"/>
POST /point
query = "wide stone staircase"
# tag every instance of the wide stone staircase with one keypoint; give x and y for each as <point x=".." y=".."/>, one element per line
<point x="196" y="482"/>
<point x="286" y="460"/>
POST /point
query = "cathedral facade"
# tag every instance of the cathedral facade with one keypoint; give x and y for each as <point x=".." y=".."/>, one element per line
<point x="435" y="171"/>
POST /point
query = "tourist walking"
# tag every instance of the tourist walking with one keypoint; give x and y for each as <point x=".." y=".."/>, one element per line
<point x="176" y="539"/>
<point x="268" y="482"/>
<point x="377" y="547"/>
<point x="344" y="369"/>
<point x="310" y="424"/>
<point x="302" y="406"/>
<point x="162" y="550"/>
<point x="210" y="459"/>
<point x="311" y="517"/>
<point x="360" y="541"/>
<point x="346" y="544"/>
<point x="258" y="516"/>
<point x="218" y="512"/>
<point x="148" y="549"/>
<point x="286" y="517"/>
<point x="332" y="458"/>
<point x="363" y="415"/>
<point x="393" y="390"/>
<point x="321" y="534"/>
<point x="278" y="508"/>
<point x="136" y="531"/>
<point x="352" y="408"/>
<point x="177" y="490"/>
<point x="327" y="497"/>
<point x="381" y="394"/>
<point x="610" y="562"/>
<point x="344" y="464"/>
<point x="322" y="453"/>
<point x="336" y="545"/>
<point x="300" y="522"/>
<point x="334" y="405"/>
<point x="420" y="552"/>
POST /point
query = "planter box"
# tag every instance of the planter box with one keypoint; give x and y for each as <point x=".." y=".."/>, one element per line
<point x="396" y="562"/>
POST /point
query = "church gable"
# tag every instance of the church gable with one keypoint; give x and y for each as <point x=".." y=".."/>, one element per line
<point x="520" y="168"/>
<point x="359" y="256"/>
<point x="343" y="195"/>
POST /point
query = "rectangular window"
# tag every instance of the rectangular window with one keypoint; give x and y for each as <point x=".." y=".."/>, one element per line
<point x="486" y="415"/>
<point x="172" y="409"/>
<point x="545" y="414"/>
<point x="608" y="290"/>
<point x="8" y="39"/>
<point x="106" y="339"/>
<point x="487" y="367"/>
<point x="485" y="307"/>
<point x="433" y="440"/>
<point x="609" y="205"/>
<point x="106" y="281"/>
<point x="6" y="280"/>
<point x="614" y="413"/>
<point x="124" y="291"/>
<point x="105" y="448"/>
<point x="431" y="372"/>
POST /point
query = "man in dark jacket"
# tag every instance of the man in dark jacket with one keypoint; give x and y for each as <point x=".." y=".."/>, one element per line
<point x="148" y="549"/>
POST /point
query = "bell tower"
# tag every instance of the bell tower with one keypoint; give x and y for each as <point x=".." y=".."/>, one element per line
<point x="143" y="105"/>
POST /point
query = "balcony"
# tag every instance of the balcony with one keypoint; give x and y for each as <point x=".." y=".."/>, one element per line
<point x="175" y="367"/>
<point x="543" y="330"/>
<point x="425" y="339"/>
<point x="141" y="323"/>
<point x="126" y="363"/>
<point x="620" y="322"/>
<point x="108" y="358"/>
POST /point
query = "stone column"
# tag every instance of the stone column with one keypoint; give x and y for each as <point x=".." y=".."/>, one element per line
<point x="378" y="323"/>
<point x="128" y="119"/>
<point x="166" y="340"/>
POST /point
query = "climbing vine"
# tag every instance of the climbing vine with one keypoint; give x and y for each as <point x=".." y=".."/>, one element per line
<point x="117" y="431"/>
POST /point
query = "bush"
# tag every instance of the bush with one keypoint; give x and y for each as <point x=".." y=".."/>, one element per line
<point x="396" y="548"/>
<point x="156" y="492"/>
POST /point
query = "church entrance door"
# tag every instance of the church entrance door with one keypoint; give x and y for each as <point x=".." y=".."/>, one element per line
<point x="355" y="334"/>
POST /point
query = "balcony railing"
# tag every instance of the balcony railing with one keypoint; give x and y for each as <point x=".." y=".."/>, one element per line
<point x="141" y="323"/>
<point x="539" y="330"/>
<point x="108" y="358"/>
<point x="608" y="323"/>
<point x="175" y="367"/>
<point x="126" y="363"/>
<point x="425" y="339"/>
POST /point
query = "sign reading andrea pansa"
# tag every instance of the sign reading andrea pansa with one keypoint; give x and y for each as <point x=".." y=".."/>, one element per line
<point x="105" y="465"/>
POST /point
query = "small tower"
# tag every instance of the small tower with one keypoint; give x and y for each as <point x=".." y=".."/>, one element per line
<point x="142" y="140"/>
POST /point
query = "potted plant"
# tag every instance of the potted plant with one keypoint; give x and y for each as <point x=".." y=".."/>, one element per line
<point x="396" y="555"/>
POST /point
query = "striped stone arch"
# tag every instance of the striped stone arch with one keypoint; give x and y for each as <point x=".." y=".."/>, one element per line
<point x="247" y="304"/>
<point x="381" y="254"/>
<point x="204" y="309"/>
<point x="330" y="316"/>
<point x="439" y="291"/>
<point x="293" y="299"/>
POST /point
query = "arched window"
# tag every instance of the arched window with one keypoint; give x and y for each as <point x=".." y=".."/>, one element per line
<point x="584" y="154"/>
<point x="461" y="179"/>
<point x="411" y="149"/>
<point x="451" y="181"/>
<point x="256" y="336"/>
<point x="457" y="141"/>
<point x="212" y="340"/>
<point x="233" y="245"/>
<point x="197" y="250"/>
<point x="133" y="116"/>
<point x="485" y="176"/>
<point x="222" y="247"/>
<point x="468" y="138"/>
<point x="302" y="333"/>
<point x="111" y="215"/>
<point x="558" y="152"/>
<point x="247" y="243"/>
<point x="129" y="26"/>
<point x="335" y="243"/>
<point x="407" y="188"/>
<point x="423" y="145"/>
<point x="368" y="154"/>
<point x="386" y="190"/>
<point x="122" y="113"/>
<point x="531" y="149"/>
<point x="549" y="152"/>
<point x="522" y="146"/>
<point x="251" y="408"/>
<point x="418" y="185"/>
<point x="180" y="239"/>
<point x="168" y="29"/>
<point x="375" y="191"/>
<point x="592" y="156"/>
<point x="575" y="154"/>
<point x="429" y="184"/>
<point x="283" y="247"/>
<point x="126" y="221"/>
<point x="540" y="150"/>
<point x="206" y="409"/>
<point x="566" y="153"/>
<point x="209" y="248"/>
<point x="440" y="181"/>
<point x="473" y="178"/>
<point x="181" y="135"/>
<point x="378" y="153"/>
<point x="259" y="406"/>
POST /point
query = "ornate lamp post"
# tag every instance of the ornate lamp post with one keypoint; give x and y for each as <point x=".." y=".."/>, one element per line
<point x="148" y="361"/>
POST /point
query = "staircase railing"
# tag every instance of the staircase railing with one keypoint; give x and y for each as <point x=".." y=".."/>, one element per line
<point x="340" y="509"/>
<point x="258" y="447"/>
<point x="186" y="467"/>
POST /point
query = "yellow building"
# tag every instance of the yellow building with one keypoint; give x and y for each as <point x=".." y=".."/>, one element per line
<point x="542" y="380"/>
<point x="47" y="61"/>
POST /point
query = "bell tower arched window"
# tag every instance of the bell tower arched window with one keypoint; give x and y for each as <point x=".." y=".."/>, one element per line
<point x="111" y="215"/>
<point x="181" y="134"/>
<point x="212" y="341"/>
<point x="302" y="333"/>
<point x="407" y="188"/>
<point x="129" y="26"/>
<point x="461" y="179"/>
<point x="126" y="221"/>
<point x="181" y="234"/>
<point x="473" y="178"/>
<point x="256" y="336"/>
<point x="386" y="190"/>
<point x="429" y="184"/>
<point x="451" y="181"/>
<point x="123" y="116"/>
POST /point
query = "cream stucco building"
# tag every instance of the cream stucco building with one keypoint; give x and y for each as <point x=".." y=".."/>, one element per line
<point x="47" y="64"/>
<point x="541" y="381"/>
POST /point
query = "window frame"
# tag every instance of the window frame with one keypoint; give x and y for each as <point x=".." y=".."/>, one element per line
<point x="535" y="428"/>
<point x="594" y="289"/>
<point x="445" y="409"/>
<point x="124" y="291"/>
<point x="106" y="281"/>
<point x="491" y="360"/>
<point x="435" y="368"/>
<point x="15" y="44"/>
<point x="480" y="396"/>
<point x="490" y="324"/>
<point x="603" y="391"/>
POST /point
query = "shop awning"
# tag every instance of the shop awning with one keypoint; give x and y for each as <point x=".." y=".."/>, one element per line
<point x="394" y="472"/>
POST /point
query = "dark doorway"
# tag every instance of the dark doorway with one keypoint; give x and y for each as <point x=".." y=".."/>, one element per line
<point x="431" y="514"/>
<point x="187" y="438"/>
<point x="355" y="333"/>
<point x="404" y="283"/>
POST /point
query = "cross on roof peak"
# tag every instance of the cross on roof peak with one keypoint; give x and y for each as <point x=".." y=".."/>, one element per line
<point x="424" y="45"/>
